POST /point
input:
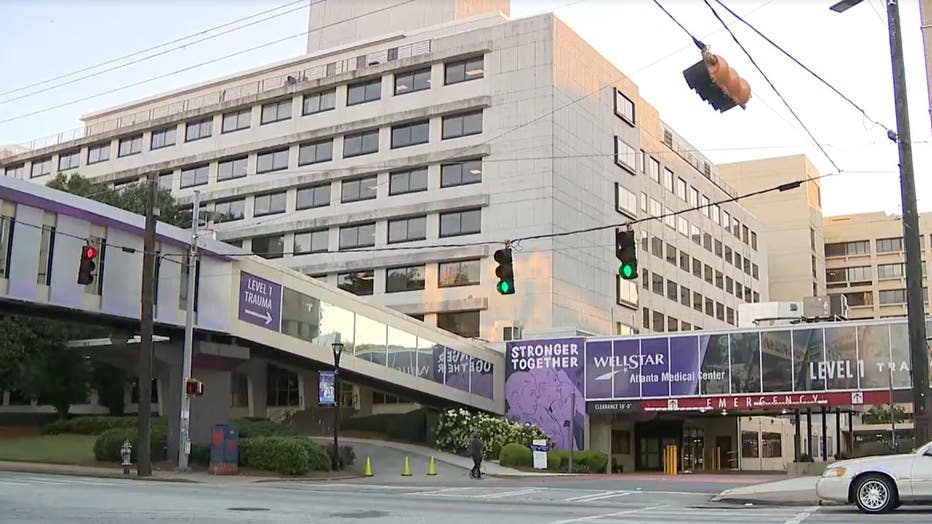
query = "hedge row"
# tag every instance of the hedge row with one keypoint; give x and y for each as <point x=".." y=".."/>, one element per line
<point x="95" y="425"/>
<point x="286" y="455"/>
<point x="108" y="444"/>
<point x="518" y="455"/>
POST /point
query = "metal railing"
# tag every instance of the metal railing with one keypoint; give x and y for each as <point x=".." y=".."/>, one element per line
<point x="224" y="95"/>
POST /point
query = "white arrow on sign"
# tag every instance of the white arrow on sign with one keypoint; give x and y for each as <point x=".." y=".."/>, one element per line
<point x="264" y="316"/>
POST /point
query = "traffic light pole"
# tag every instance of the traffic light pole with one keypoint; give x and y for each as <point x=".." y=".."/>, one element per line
<point x="918" y="347"/>
<point x="144" y="379"/>
<point x="184" y="426"/>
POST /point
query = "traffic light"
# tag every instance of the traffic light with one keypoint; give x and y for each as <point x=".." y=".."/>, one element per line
<point x="717" y="83"/>
<point x="627" y="253"/>
<point x="87" y="267"/>
<point x="194" y="387"/>
<point x="505" y="272"/>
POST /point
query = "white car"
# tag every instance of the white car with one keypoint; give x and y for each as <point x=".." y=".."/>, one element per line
<point x="880" y="484"/>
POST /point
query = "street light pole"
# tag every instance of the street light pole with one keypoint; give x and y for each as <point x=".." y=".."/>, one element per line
<point x="337" y="348"/>
<point x="915" y="309"/>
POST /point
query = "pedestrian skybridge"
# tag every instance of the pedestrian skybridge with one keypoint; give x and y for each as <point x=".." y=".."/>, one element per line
<point x="254" y="302"/>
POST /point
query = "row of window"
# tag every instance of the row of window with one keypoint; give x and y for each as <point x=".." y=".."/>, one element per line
<point x="678" y="292"/>
<point x="358" y="93"/>
<point x="407" y="229"/>
<point x="682" y="258"/>
<point x="627" y="156"/>
<point x="741" y="292"/>
<point x="660" y="323"/>
<point x="885" y="297"/>
<point x="411" y="278"/>
<point x="863" y="247"/>
<point x="864" y="274"/>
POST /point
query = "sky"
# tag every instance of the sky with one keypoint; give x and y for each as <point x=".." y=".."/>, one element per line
<point x="45" y="39"/>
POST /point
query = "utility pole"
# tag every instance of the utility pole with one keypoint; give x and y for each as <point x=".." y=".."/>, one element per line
<point x="184" y="426"/>
<point x="915" y="310"/>
<point x="144" y="455"/>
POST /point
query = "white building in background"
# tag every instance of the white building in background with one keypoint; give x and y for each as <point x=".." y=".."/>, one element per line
<point x="402" y="151"/>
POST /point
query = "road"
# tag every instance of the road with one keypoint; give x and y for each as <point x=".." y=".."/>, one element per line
<point x="33" y="499"/>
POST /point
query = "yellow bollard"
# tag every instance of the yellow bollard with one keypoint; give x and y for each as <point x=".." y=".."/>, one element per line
<point x="368" y="471"/>
<point x="406" y="471"/>
<point x="431" y="468"/>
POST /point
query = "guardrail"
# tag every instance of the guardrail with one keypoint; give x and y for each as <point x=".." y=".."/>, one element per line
<point x="224" y="95"/>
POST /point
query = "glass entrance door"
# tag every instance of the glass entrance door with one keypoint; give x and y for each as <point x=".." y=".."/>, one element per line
<point x="693" y="449"/>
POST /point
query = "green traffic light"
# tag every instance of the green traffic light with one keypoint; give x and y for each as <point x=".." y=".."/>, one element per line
<point x="626" y="271"/>
<point x="503" y="287"/>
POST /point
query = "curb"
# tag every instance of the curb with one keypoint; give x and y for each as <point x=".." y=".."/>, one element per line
<point x="305" y="479"/>
<point x="49" y="469"/>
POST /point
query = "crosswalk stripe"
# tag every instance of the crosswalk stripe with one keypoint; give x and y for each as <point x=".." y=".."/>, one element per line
<point x="587" y="495"/>
<point x="510" y="493"/>
<point x="603" y="496"/>
<point x="609" y="515"/>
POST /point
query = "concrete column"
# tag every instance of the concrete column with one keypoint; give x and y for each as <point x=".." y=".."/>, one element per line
<point x="365" y="401"/>
<point x="170" y="378"/>
<point x="213" y="407"/>
<point x="798" y="438"/>
<point x="809" y="431"/>
<point x="255" y="370"/>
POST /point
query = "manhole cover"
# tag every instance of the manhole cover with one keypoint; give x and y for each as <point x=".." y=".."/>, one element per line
<point x="248" y="509"/>
<point x="370" y="514"/>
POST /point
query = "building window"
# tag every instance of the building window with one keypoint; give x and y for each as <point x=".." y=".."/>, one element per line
<point x="719" y="280"/>
<point x="165" y="180"/>
<point x="68" y="160"/>
<point x="461" y="273"/>
<point x="239" y="390"/>
<point x="854" y="275"/>
<point x="709" y="307"/>
<point x="411" y="81"/>
<point x="361" y="143"/>
<point x="463" y="323"/>
<point x="755" y="271"/>
<point x="164" y="137"/>
<point x="41" y="167"/>
<point x="693" y="196"/>
<point x="463" y="70"/>
<point x="707" y="242"/>
<point x="411" y="181"/>
<point x="718" y="248"/>
<point x="320" y="102"/>
<point x="461" y="173"/>
<point x="726" y="220"/>
<point x="231" y="168"/>
<point x="283" y="388"/>
<point x="198" y="130"/>
<point x="130" y="146"/>
<point x="236" y="121"/>
<point x="697" y="268"/>
<point x="272" y="246"/>
<point x="681" y="189"/>
<point x="729" y="285"/>
<point x="889" y="245"/>
<point x="739" y="290"/>
<point x="682" y="226"/>
<point x="707" y="273"/>
<point x="315" y="152"/>
<point x="360" y="235"/>
<point x="841" y="249"/>
<point x="625" y="155"/>
<point x="357" y="282"/>
<point x="645" y="321"/>
<point x="626" y="202"/>
<point x="317" y="241"/>
<point x="704" y="206"/>
<point x="886" y="271"/>
<point x="363" y="92"/>
<point x="697" y="301"/>
<point x="772" y="445"/>
<point x="460" y="222"/>
<point x="408" y="278"/>
<point x="407" y="229"/>
<point x="672" y="290"/>
<point x="860" y="298"/>
<point x="658" y="321"/>
<point x="269" y="204"/>
<point x="276" y="111"/>
<point x="728" y="254"/>
<point x="626" y="292"/>
<point x="684" y="261"/>
<point x="657" y="284"/>
<point x="359" y="189"/>
<point x="410" y="134"/>
<point x="749" y="444"/>
<point x="756" y="297"/>
<point x="272" y="161"/>
<point x="891" y="296"/>
<point x="671" y="254"/>
<point x="747" y="266"/>
<point x="313" y="196"/>
<point x="673" y="324"/>
<point x="194" y="176"/>
<point x="465" y="124"/>
<point x="744" y="234"/>
<point x="754" y="241"/>
<point x="656" y="209"/>
<point x="730" y="316"/>
<point x="668" y="179"/>
<point x="684" y="296"/>
<point x="229" y="210"/>
<point x="624" y="107"/>
<point x="98" y="153"/>
<point x="18" y="171"/>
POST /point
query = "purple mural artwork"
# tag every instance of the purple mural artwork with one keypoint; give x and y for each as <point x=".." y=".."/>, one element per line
<point x="481" y="377"/>
<point x="540" y="380"/>
<point x="599" y="373"/>
<point x="684" y="366"/>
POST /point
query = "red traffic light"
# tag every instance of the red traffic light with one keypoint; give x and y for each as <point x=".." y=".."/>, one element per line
<point x="90" y="252"/>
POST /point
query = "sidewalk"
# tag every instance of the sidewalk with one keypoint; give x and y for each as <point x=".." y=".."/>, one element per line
<point x="797" y="491"/>
<point x="197" y="477"/>
<point x="424" y="453"/>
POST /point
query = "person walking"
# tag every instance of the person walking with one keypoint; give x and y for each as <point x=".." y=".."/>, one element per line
<point x="475" y="451"/>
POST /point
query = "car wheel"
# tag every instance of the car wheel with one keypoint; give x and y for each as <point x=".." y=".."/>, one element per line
<point x="875" y="494"/>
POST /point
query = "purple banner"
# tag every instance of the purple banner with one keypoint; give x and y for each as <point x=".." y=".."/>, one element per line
<point x="456" y="365"/>
<point x="599" y="369"/>
<point x="626" y="368"/>
<point x="481" y="373"/>
<point x="684" y="366"/>
<point x="260" y="301"/>
<point x="541" y="379"/>
<point x="654" y="366"/>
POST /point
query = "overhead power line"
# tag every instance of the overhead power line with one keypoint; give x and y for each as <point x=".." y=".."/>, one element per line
<point x="152" y="48"/>
<point x="154" y="55"/>
<point x="806" y="68"/>
<point x="696" y="41"/>
<point x="772" y="86"/>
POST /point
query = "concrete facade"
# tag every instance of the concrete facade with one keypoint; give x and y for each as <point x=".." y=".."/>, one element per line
<point x="791" y="220"/>
<point x="552" y="118"/>
<point x="864" y="260"/>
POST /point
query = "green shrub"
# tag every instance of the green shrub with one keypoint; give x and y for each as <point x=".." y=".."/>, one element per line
<point x="594" y="461"/>
<point x="804" y="457"/>
<point x="457" y="426"/>
<point x="555" y="459"/>
<point x="286" y="455"/>
<point x="90" y="425"/>
<point x="200" y="454"/>
<point x="22" y="420"/>
<point x="318" y="457"/>
<point x="516" y="455"/>
<point x="108" y="444"/>
<point x="251" y="428"/>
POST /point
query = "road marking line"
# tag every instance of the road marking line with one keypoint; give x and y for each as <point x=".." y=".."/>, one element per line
<point x="587" y="495"/>
<point x="510" y="493"/>
<point x="608" y="495"/>
<point x="607" y="515"/>
<point x="803" y="515"/>
<point x="439" y="491"/>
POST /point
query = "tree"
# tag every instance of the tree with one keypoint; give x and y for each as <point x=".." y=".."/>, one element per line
<point x="883" y="414"/>
<point x="48" y="369"/>
<point x="110" y="384"/>
<point x="131" y="198"/>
